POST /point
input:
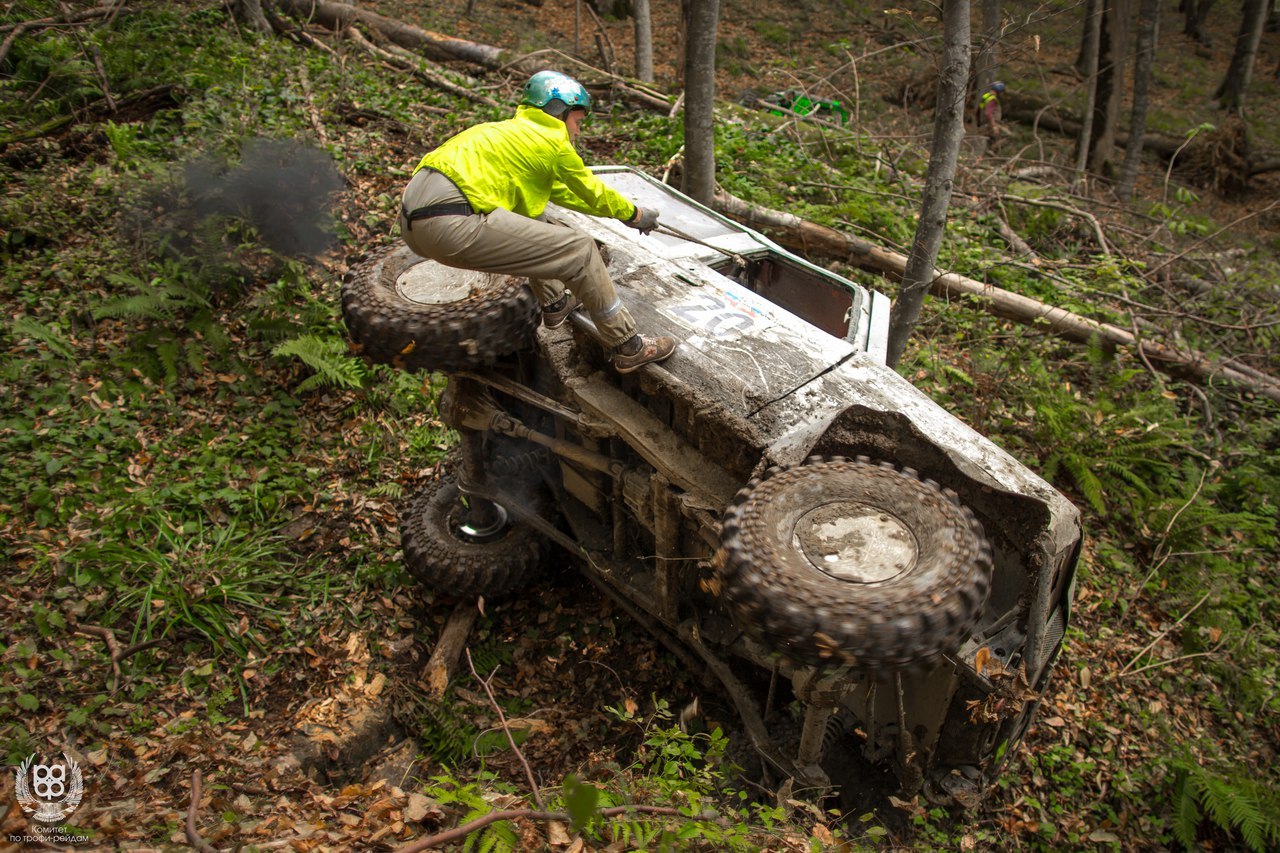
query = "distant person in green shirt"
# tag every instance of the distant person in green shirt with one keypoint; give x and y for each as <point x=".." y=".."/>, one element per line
<point x="478" y="202"/>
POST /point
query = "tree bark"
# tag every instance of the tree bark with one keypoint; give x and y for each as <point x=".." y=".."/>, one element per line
<point x="249" y="13"/>
<point x="1232" y="89"/>
<point x="821" y="241"/>
<point x="701" y="22"/>
<point x="1087" y="64"/>
<point x="948" y="131"/>
<point x="1148" y="37"/>
<point x="644" y="42"/>
<point x="1112" y="50"/>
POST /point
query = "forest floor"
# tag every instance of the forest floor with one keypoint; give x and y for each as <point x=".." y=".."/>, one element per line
<point x="566" y="655"/>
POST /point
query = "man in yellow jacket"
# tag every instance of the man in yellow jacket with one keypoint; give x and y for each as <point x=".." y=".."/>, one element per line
<point x="478" y="200"/>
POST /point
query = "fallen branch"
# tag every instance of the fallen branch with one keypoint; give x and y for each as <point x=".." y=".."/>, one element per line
<point x="149" y="101"/>
<point x="413" y="65"/>
<point x="75" y="19"/>
<point x="193" y="835"/>
<point x="812" y="238"/>
<point x="443" y="662"/>
<point x="506" y="729"/>
<point x="624" y="88"/>
<point x="118" y="654"/>
<point x="1149" y="646"/>
<point x="437" y="46"/>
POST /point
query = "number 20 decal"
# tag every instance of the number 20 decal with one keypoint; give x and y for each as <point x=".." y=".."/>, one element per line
<point x="713" y="316"/>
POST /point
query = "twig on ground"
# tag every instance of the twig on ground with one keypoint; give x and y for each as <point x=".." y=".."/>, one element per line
<point x="1180" y="659"/>
<point x="1163" y="634"/>
<point x="193" y="835"/>
<point x="1164" y="538"/>
<point x="502" y="718"/>
<point x="1232" y="224"/>
<point x="117" y="653"/>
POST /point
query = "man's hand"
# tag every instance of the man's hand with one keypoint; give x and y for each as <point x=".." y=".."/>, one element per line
<point x="644" y="221"/>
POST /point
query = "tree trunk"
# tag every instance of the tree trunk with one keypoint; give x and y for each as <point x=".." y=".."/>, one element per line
<point x="1231" y="91"/>
<point x="701" y="22"/>
<point x="1196" y="12"/>
<point x="249" y="13"/>
<point x="1148" y="36"/>
<point x="988" y="58"/>
<point x="948" y="132"/>
<point x="1089" y="69"/>
<point x="644" y="42"/>
<point x="1112" y="53"/>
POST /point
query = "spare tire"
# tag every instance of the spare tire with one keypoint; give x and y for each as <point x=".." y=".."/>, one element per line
<point x="414" y="313"/>
<point x="448" y="556"/>
<point x="849" y="562"/>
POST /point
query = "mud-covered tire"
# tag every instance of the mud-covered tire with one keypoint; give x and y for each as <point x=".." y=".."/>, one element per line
<point x="413" y="313"/>
<point x="445" y="560"/>
<point x="846" y="561"/>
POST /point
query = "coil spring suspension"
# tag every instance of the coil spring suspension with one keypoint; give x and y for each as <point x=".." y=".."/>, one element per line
<point x="522" y="464"/>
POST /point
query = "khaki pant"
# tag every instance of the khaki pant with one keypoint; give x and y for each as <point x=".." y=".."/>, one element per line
<point x="511" y="244"/>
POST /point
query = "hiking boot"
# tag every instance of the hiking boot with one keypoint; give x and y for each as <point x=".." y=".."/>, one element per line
<point x="640" y="351"/>
<point x="554" y="315"/>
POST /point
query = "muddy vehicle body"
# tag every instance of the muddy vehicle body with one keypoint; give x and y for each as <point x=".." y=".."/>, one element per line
<point x="785" y="512"/>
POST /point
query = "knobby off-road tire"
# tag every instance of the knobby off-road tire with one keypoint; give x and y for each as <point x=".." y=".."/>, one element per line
<point x="413" y="313"/>
<point x="445" y="559"/>
<point x="850" y="562"/>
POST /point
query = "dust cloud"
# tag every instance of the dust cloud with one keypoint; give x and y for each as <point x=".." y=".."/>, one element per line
<point x="282" y="188"/>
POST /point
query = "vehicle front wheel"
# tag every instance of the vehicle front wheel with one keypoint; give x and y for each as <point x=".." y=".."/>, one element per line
<point x="843" y="561"/>
<point x="452" y="550"/>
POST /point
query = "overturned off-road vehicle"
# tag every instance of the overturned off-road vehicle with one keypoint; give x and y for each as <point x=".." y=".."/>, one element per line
<point x="787" y="513"/>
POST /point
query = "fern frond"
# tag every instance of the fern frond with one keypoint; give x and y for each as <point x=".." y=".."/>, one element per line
<point x="1236" y="803"/>
<point x="1088" y="483"/>
<point x="390" y="489"/>
<point x="29" y="327"/>
<point x="328" y="358"/>
<point x="498" y="838"/>
<point x="1186" y="814"/>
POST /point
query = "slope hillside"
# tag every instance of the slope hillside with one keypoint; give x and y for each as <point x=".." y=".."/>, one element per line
<point x="204" y="604"/>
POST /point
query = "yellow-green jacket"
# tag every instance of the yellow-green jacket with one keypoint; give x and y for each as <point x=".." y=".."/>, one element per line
<point x="522" y="163"/>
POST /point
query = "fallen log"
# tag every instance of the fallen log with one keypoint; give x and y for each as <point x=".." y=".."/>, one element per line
<point x="442" y="48"/>
<point x="815" y="239"/>
<point x="1040" y="114"/>
<point x="444" y="660"/>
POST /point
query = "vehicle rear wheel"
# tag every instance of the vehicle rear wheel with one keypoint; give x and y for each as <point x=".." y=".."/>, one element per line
<point x="414" y="313"/>
<point x="450" y="550"/>
<point x="843" y="561"/>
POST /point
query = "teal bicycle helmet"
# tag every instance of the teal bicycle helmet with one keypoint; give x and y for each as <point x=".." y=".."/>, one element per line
<point x="546" y="88"/>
